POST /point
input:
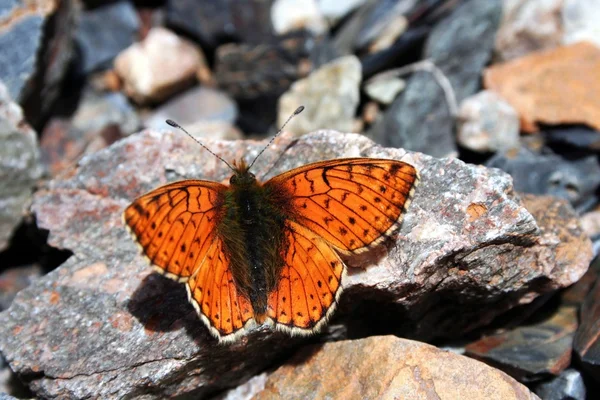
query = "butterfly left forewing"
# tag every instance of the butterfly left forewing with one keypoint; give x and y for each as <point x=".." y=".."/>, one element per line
<point x="309" y="285"/>
<point x="176" y="224"/>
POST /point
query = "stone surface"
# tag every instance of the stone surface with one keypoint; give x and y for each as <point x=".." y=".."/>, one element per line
<point x="528" y="26"/>
<point x="590" y="222"/>
<point x="530" y="351"/>
<point x="100" y="119"/>
<point x="19" y="165"/>
<point x="104" y="325"/>
<point x="579" y="137"/>
<point x="487" y="123"/>
<point x="568" y="385"/>
<point x="394" y="29"/>
<point x="159" y="66"/>
<point x="291" y="15"/>
<point x="383" y="367"/>
<point x="335" y="10"/>
<point x="36" y="47"/>
<point x="329" y="95"/>
<point x="385" y="90"/>
<point x="193" y="109"/>
<point x="419" y="119"/>
<point x="575" y="180"/>
<point x="214" y="22"/>
<point x="103" y="32"/>
<point x="13" y="280"/>
<point x="559" y="86"/>
<point x="587" y="339"/>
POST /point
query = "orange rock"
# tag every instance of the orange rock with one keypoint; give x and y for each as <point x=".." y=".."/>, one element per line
<point x="559" y="86"/>
<point x="386" y="367"/>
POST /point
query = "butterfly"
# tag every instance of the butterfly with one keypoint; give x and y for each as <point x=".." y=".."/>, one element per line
<point x="253" y="253"/>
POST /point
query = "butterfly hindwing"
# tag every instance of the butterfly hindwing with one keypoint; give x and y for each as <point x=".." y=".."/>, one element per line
<point x="351" y="203"/>
<point x="176" y="224"/>
<point x="309" y="284"/>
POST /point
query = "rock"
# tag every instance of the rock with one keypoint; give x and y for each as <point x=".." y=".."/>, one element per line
<point x="580" y="19"/>
<point x="104" y="325"/>
<point x="390" y="34"/>
<point x="579" y="137"/>
<point x="587" y="343"/>
<point x="291" y="15"/>
<point x="36" y="48"/>
<point x="574" y="180"/>
<point x="531" y="351"/>
<point x="13" y="280"/>
<point x="159" y="66"/>
<point x="103" y="32"/>
<point x="335" y="10"/>
<point x="384" y="91"/>
<point x="216" y="22"/>
<point x="487" y="123"/>
<point x="100" y="119"/>
<point x="193" y="109"/>
<point x="528" y="26"/>
<point x="384" y="367"/>
<point x="253" y="71"/>
<point x="330" y="96"/>
<point x="590" y="222"/>
<point x="19" y="165"/>
<point x="568" y="385"/>
<point x="419" y="119"/>
<point x="531" y="86"/>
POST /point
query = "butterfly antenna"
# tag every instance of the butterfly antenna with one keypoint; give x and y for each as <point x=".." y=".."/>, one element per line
<point x="298" y="111"/>
<point x="176" y="125"/>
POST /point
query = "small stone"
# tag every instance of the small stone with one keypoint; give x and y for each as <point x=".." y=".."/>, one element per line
<point x="291" y="15"/>
<point x="216" y="22"/>
<point x="531" y="85"/>
<point x="330" y="96"/>
<point x="587" y="340"/>
<point x="103" y="32"/>
<point x="13" y="280"/>
<point x="528" y="26"/>
<point x="568" y="385"/>
<point x="20" y="165"/>
<point x="159" y="66"/>
<point x="580" y="21"/>
<point x="386" y="90"/>
<point x="531" y="351"/>
<point x="396" y="27"/>
<point x="487" y="123"/>
<point x="420" y="118"/>
<point x="590" y="222"/>
<point x="580" y="137"/>
<point x="385" y="367"/>
<point x="575" y="180"/>
<point x="195" y="106"/>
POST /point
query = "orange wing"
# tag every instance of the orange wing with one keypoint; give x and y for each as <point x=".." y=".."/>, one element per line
<point x="176" y="224"/>
<point x="352" y="203"/>
<point x="212" y="292"/>
<point x="309" y="285"/>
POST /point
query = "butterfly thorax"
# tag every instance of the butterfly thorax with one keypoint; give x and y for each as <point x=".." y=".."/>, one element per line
<point x="251" y="229"/>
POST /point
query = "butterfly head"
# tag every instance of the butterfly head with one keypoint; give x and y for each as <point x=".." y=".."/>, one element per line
<point x="242" y="175"/>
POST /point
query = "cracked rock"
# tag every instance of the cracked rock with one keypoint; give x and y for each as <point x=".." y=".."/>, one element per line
<point x="103" y="325"/>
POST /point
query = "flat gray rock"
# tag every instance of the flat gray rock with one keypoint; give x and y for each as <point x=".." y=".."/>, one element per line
<point x="103" y="325"/>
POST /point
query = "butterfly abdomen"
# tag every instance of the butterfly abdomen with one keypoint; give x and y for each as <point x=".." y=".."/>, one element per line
<point x="251" y="230"/>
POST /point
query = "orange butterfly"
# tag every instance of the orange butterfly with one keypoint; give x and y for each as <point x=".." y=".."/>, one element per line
<point x="267" y="253"/>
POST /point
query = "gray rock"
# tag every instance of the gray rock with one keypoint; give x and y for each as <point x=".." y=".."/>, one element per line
<point x="487" y="123"/>
<point x="419" y="119"/>
<point x="587" y="342"/>
<point x="195" y="106"/>
<point x="574" y="180"/>
<point x="330" y="96"/>
<point x="104" y="325"/>
<point x="33" y="62"/>
<point x="19" y="165"/>
<point x="103" y="32"/>
<point x="568" y="385"/>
